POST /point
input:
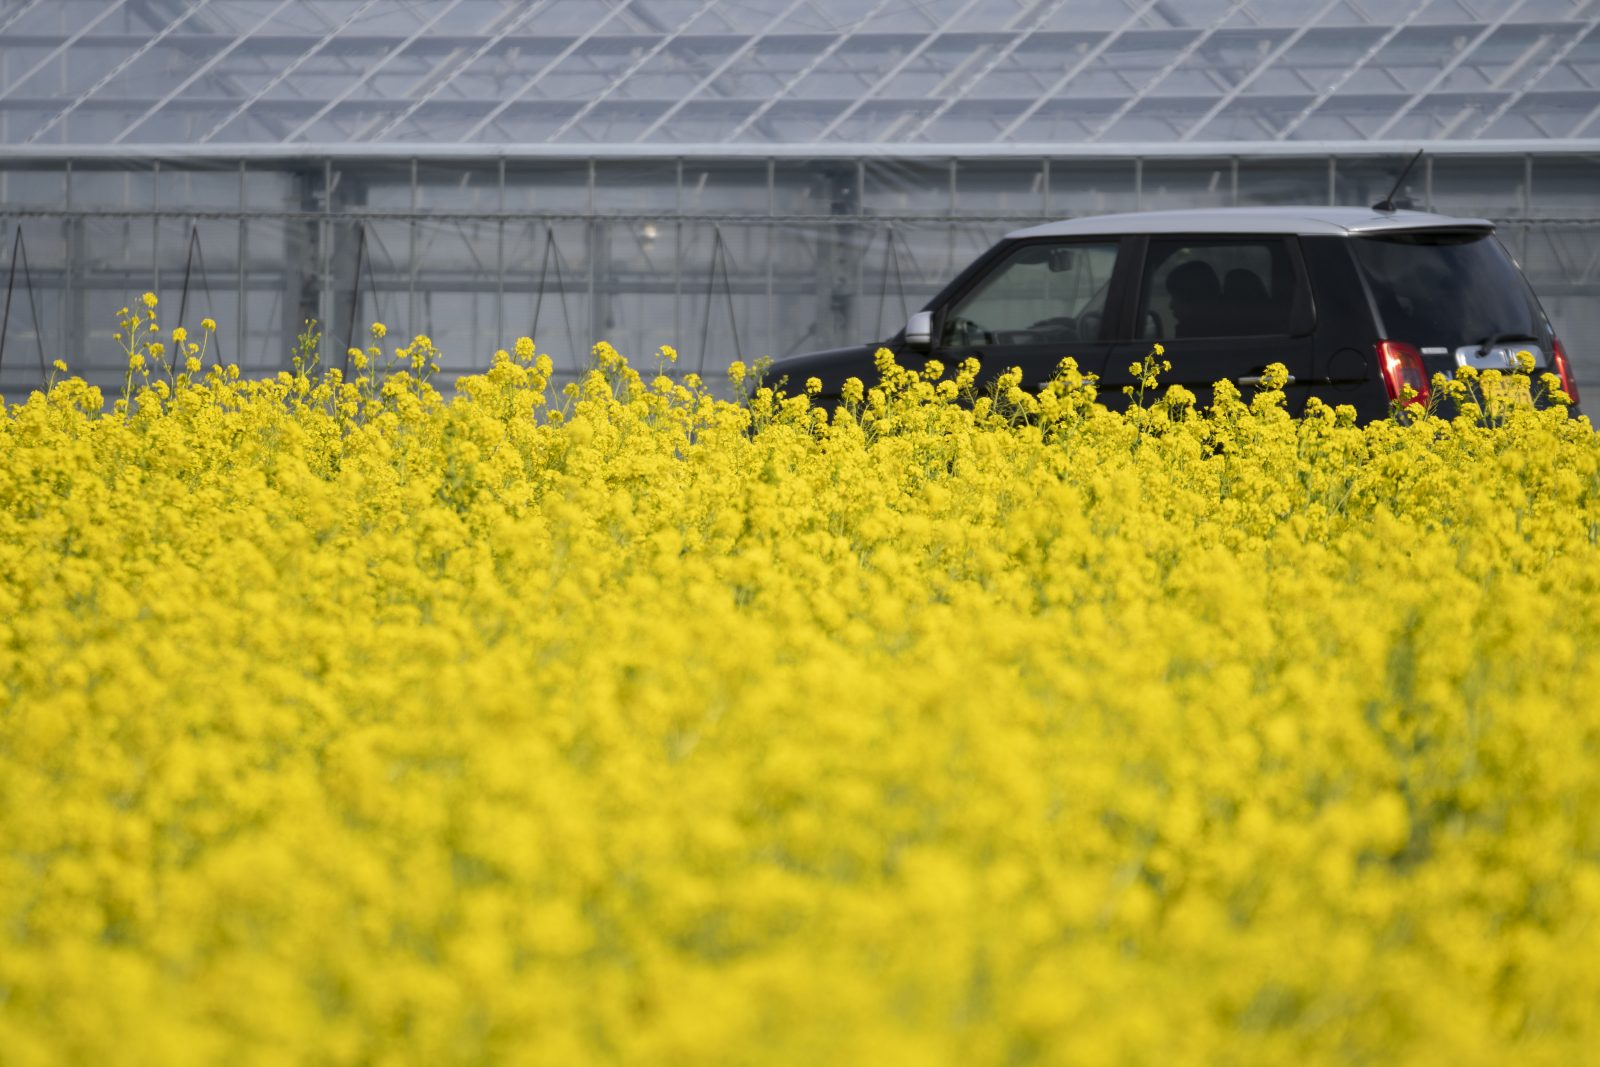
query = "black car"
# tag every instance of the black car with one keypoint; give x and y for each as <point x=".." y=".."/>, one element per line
<point x="1358" y="303"/>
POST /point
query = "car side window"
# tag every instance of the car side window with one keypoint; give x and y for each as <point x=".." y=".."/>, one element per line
<point x="1216" y="288"/>
<point x="1043" y="293"/>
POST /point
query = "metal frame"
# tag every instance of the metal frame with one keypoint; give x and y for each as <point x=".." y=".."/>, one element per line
<point x="1328" y="91"/>
<point x="1000" y="56"/>
<point x="366" y="75"/>
<point x="198" y="73"/>
<point x="286" y="72"/>
<point x="511" y="26"/>
<point x="805" y="72"/>
<point x="893" y="72"/>
<point x="721" y="68"/>
<point x="205" y="66"/>
<point x="534" y="81"/>
<point x="1101" y="47"/>
<point x="1260" y="68"/>
<point x="1448" y="69"/>
<point x="61" y="49"/>
<point x="109" y="76"/>
<point x="644" y="59"/>
<point x="1522" y="90"/>
<point x="1177" y="61"/>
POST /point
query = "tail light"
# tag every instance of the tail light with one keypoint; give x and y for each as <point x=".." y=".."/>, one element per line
<point x="1401" y="365"/>
<point x="1564" y="370"/>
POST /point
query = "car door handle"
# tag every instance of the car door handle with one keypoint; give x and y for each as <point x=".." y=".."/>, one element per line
<point x="1255" y="379"/>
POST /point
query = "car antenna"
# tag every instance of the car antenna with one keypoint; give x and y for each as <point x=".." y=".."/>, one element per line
<point x="1387" y="203"/>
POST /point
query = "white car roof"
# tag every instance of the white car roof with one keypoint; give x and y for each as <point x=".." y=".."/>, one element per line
<point x="1336" y="221"/>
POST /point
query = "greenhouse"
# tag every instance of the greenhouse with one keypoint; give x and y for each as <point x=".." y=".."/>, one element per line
<point x="737" y="179"/>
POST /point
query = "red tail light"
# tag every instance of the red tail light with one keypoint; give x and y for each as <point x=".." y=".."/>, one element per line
<point x="1564" y="370"/>
<point x="1401" y="365"/>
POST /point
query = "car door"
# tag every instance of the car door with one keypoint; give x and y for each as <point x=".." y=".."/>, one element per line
<point x="1038" y="303"/>
<point x="1222" y="307"/>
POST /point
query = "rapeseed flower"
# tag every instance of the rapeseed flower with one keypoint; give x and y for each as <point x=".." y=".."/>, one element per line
<point x="344" y="721"/>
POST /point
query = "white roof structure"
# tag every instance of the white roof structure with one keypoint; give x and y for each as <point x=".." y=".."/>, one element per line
<point x="743" y="74"/>
<point x="1334" y="221"/>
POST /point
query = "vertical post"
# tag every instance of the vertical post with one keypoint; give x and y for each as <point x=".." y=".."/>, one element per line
<point x="1233" y="173"/>
<point x="1527" y="209"/>
<point x="1427" y="183"/>
<point x="596" y="319"/>
<point x="155" y="225"/>
<point x="772" y="211"/>
<point x="240" y="330"/>
<point x="71" y="322"/>
<point x="11" y="283"/>
<point x="1138" y="184"/>
<point x="500" y="260"/>
<point x="1044" y="190"/>
<point x="325" y="295"/>
<point x="677" y="259"/>
<point x="950" y="234"/>
<point x="858" y="293"/>
<point x="1333" y="197"/>
<point x="413" y="325"/>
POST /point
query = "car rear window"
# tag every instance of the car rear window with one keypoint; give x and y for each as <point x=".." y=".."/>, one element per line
<point x="1446" y="289"/>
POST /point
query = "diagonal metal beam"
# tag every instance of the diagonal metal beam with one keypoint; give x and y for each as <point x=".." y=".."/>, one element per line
<point x="1496" y="84"/>
<point x="649" y="54"/>
<point x="577" y="43"/>
<point x="893" y="72"/>
<point x="199" y="72"/>
<point x="805" y="71"/>
<point x="477" y="53"/>
<point x="231" y="87"/>
<point x="1177" y="61"/>
<point x="110" y="75"/>
<point x="1583" y="124"/>
<point x="55" y="53"/>
<point x="1000" y="56"/>
<point x="288" y="71"/>
<point x="7" y="22"/>
<point x="1361" y="61"/>
<point x="1083" y="64"/>
<point x="722" y="68"/>
<point x="366" y="76"/>
<point x="1448" y="69"/>
<point x="1522" y="90"/>
<point x="1260" y="68"/>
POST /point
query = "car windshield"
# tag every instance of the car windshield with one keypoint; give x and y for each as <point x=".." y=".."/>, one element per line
<point x="1447" y="289"/>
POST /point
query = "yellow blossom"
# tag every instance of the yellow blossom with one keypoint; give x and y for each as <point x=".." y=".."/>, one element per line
<point x="614" y="721"/>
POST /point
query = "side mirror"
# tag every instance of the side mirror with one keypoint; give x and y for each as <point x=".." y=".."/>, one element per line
<point x="919" y="330"/>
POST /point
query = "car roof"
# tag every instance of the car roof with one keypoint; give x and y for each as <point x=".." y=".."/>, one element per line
<point x="1335" y="221"/>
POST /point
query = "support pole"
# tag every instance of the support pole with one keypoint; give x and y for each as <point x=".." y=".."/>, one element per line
<point x="19" y="253"/>
<point x="355" y="297"/>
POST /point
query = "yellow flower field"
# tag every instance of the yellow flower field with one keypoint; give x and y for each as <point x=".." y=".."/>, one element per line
<point x="345" y="724"/>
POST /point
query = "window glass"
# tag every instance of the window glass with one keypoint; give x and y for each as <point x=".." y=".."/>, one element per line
<point x="1216" y="288"/>
<point x="1040" y="294"/>
<point x="1446" y="289"/>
